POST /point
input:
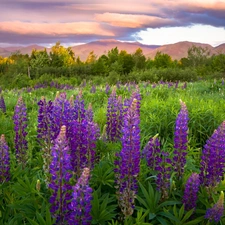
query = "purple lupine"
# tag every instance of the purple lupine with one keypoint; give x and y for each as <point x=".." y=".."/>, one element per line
<point x="79" y="108"/>
<point x="107" y="89"/>
<point x="20" y="122"/>
<point x="89" y="113"/>
<point x="2" y="104"/>
<point x="216" y="212"/>
<point x="114" y="117"/>
<point x="93" y="89"/>
<point x="191" y="190"/>
<point x="62" y="113"/>
<point x="45" y="134"/>
<point x="181" y="140"/>
<point x="5" y="160"/>
<point x="83" y="143"/>
<point x="213" y="158"/>
<point x="81" y="200"/>
<point x="152" y="152"/>
<point x="163" y="169"/>
<point x="128" y="162"/>
<point x="60" y="170"/>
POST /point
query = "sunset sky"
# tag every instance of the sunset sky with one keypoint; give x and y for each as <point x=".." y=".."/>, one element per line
<point x="44" y="22"/>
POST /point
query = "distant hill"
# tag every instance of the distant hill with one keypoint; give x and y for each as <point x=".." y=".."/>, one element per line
<point x="100" y="47"/>
<point x="103" y="46"/>
<point x="180" y="49"/>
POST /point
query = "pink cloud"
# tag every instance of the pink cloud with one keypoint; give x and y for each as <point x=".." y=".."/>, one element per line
<point x="132" y="21"/>
<point x="76" y="28"/>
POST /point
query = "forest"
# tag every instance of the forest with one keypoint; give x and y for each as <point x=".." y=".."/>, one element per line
<point x="62" y="65"/>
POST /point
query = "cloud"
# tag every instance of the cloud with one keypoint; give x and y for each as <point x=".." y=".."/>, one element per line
<point x="49" y="29"/>
<point x="44" y="21"/>
<point x="133" y="21"/>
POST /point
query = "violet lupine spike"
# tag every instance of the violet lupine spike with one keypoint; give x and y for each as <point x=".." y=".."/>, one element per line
<point x="5" y="160"/>
<point x="163" y="169"/>
<point x="45" y="134"/>
<point x="114" y="117"/>
<point x="213" y="159"/>
<point x="81" y="200"/>
<point x="93" y="133"/>
<point x="215" y="213"/>
<point x="20" y="125"/>
<point x="62" y="113"/>
<point x="128" y="162"/>
<point x="61" y="172"/>
<point x="79" y="108"/>
<point x="191" y="192"/>
<point x="2" y="104"/>
<point x="83" y="143"/>
<point x="152" y="152"/>
<point x="181" y="140"/>
<point x="89" y="113"/>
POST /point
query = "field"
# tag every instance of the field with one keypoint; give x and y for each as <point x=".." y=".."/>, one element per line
<point x="126" y="165"/>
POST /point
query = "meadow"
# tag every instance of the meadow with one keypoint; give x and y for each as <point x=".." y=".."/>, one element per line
<point x="72" y="162"/>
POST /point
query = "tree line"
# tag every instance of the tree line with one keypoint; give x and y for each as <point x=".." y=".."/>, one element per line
<point x="117" y="65"/>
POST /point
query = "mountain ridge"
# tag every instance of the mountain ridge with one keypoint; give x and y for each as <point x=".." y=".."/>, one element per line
<point x="176" y="51"/>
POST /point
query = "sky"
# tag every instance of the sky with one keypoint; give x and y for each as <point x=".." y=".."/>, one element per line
<point x="153" y="22"/>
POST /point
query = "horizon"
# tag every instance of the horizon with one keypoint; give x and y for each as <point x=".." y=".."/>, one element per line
<point x="100" y="40"/>
<point x="149" y="22"/>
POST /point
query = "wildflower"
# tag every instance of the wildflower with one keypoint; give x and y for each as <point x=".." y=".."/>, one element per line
<point x="190" y="193"/>
<point x="20" y="122"/>
<point x="128" y="163"/>
<point x="60" y="170"/>
<point x="114" y="117"/>
<point x="181" y="140"/>
<point x="213" y="158"/>
<point x="4" y="163"/>
<point x="216" y="212"/>
<point x="152" y="152"/>
<point x="2" y="104"/>
<point x="81" y="200"/>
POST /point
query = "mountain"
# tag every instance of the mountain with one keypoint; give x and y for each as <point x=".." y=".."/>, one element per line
<point x="180" y="49"/>
<point x="100" y="47"/>
<point x="103" y="46"/>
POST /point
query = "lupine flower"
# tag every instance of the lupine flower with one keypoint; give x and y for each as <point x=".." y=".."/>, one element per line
<point x="114" y="117"/>
<point x="181" y="140"/>
<point x="83" y="143"/>
<point x="152" y="152"/>
<point x="89" y="113"/>
<point x="159" y="162"/>
<point x="93" y="89"/>
<point x="62" y="113"/>
<point x="190" y="193"/>
<point x="45" y="134"/>
<point x="60" y="170"/>
<point x="81" y="200"/>
<point x="128" y="163"/>
<point x="107" y="89"/>
<point x="2" y="104"/>
<point x="79" y="108"/>
<point x="5" y="161"/>
<point x="163" y="174"/>
<point x="20" y="122"/>
<point x="213" y="158"/>
<point x="216" y="212"/>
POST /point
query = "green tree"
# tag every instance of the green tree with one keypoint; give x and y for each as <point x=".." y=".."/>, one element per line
<point x="39" y="59"/>
<point x="139" y="59"/>
<point x="197" y="56"/>
<point x="218" y="62"/>
<point x="162" y="60"/>
<point x="126" y="61"/>
<point x="61" y="57"/>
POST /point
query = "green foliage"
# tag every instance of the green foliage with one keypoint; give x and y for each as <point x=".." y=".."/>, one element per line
<point x="103" y="208"/>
